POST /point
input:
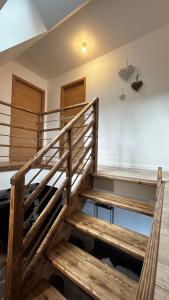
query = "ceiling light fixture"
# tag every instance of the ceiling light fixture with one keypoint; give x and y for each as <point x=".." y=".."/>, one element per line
<point x="84" y="47"/>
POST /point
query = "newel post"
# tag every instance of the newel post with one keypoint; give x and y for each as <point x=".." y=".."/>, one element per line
<point x="69" y="165"/>
<point x="15" y="242"/>
<point x="95" y="134"/>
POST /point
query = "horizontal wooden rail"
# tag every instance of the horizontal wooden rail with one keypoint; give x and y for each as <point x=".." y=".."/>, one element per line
<point x="33" y="162"/>
<point x="18" y="127"/>
<point x="17" y="146"/>
<point x="18" y="136"/>
<point x="64" y="108"/>
<point x="50" y="129"/>
<point x="15" y="117"/>
<point x="18" y="107"/>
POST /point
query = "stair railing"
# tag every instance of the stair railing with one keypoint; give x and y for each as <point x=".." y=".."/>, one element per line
<point x="42" y="126"/>
<point x="77" y="148"/>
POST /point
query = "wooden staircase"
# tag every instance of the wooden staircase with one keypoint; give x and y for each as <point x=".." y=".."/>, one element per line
<point x="34" y="255"/>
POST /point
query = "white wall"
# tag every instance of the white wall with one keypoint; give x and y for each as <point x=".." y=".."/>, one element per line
<point x="133" y="132"/>
<point x="6" y="72"/>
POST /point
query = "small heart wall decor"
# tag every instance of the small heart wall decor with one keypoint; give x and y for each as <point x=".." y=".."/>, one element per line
<point x="125" y="73"/>
<point x="122" y="95"/>
<point x="136" y="85"/>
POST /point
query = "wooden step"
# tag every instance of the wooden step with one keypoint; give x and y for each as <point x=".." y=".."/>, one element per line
<point x="45" y="291"/>
<point x="126" y="240"/>
<point x="138" y="206"/>
<point x="126" y="178"/>
<point x="97" y="279"/>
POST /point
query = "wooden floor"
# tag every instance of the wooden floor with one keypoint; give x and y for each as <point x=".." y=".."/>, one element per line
<point x="135" y="205"/>
<point x="132" y="173"/>
<point x="97" y="279"/>
<point x="126" y="240"/>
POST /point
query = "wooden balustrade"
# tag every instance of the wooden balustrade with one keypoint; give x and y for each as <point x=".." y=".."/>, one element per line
<point x="41" y="126"/>
<point x="21" y="258"/>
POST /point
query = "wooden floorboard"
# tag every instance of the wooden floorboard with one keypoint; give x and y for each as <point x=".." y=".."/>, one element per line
<point x="132" y="173"/>
<point x="45" y="291"/>
<point x="125" y="178"/>
<point x="97" y="279"/>
<point x="126" y="240"/>
<point x="138" y="206"/>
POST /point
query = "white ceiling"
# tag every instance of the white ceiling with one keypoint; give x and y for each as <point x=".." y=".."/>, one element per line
<point x="24" y="22"/>
<point x="104" y="24"/>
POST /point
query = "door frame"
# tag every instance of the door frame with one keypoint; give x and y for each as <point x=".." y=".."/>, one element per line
<point x="29" y="84"/>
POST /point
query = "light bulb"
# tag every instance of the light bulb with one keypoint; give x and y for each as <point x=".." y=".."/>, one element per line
<point x="84" y="48"/>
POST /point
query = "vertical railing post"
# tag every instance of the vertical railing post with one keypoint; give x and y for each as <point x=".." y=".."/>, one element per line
<point x="39" y="133"/>
<point x="159" y="180"/>
<point x="15" y="242"/>
<point x="95" y="134"/>
<point x="69" y="164"/>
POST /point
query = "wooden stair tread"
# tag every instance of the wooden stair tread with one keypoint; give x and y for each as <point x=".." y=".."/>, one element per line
<point x="135" y="205"/>
<point x="126" y="178"/>
<point x="126" y="240"/>
<point x="97" y="279"/>
<point x="45" y="291"/>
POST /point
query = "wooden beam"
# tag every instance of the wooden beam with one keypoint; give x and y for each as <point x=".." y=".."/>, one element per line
<point x="148" y="274"/>
<point x="15" y="242"/>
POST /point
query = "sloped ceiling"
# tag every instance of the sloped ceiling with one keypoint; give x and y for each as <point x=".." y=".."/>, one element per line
<point x="54" y="11"/>
<point x="104" y="24"/>
<point x="24" y="22"/>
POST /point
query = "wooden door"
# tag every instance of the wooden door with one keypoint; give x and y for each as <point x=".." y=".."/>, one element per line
<point x="71" y="94"/>
<point x="25" y="143"/>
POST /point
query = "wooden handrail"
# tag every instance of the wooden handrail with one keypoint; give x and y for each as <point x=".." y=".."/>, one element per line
<point x="148" y="274"/>
<point x="33" y="162"/>
<point x="64" y="108"/>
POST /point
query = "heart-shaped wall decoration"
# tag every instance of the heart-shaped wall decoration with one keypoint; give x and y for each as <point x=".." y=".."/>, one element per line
<point x="136" y="86"/>
<point x="125" y="73"/>
<point x="122" y="95"/>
